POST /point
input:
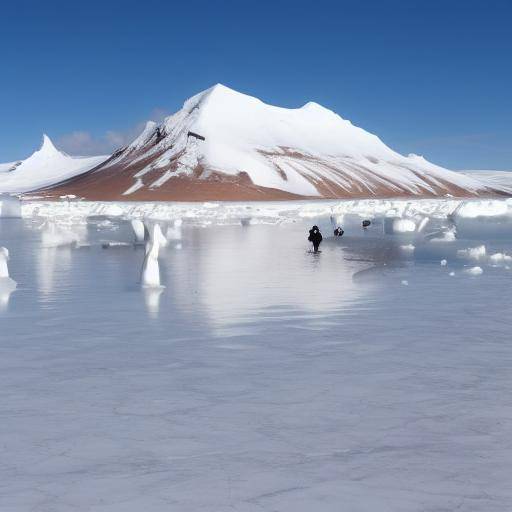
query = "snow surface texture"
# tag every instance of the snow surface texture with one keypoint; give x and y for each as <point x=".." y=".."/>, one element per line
<point x="258" y="380"/>
<point x="293" y="150"/>
<point x="498" y="179"/>
<point x="44" y="167"/>
<point x="474" y="213"/>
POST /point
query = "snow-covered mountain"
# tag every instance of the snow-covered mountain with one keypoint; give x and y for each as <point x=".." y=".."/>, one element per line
<point x="498" y="179"/>
<point x="226" y="145"/>
<point x="43" y="168"/>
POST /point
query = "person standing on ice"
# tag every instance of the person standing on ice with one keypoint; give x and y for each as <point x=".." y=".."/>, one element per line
<point x="315" y="237"/>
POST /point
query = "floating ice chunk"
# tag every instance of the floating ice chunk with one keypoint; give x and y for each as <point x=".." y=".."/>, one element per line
<point x="113" y="210"/>
<point x="423" y="223"/>
<point x="473" y="209"/>
<point x="174" y="231"/>
<point x="473" y="253"/>
<point x="10" y="206"/>
<point x="474" y="271"/>
<point x="140" y="231"/>
<point x="404" y="226"/>
<point x="405" y="282"/>
<point x="158" y="236"/>
<point x="500" y="257"/>
<point x="394" y="225"/>
<point x="150" y="267"/>
<point x="447" y="235"/>
<point x="444" y="263"/>
<point x="4" y="258"/>
<point x="110" y="245"/>
<point x="451" y="274"/>
<point x="407" y="248"/>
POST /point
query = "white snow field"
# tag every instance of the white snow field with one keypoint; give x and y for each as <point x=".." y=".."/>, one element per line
<point x="498" y="179"/>
<point x="259" y="376"/>
<point x="44" y="167"/>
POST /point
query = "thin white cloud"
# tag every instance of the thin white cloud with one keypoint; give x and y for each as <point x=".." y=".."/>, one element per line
<point x="83" y="143"/>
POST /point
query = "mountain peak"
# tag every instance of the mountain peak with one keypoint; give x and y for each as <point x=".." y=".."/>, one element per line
<point x="47" y="146"/>
<point x="233" y="145"/>
<point x="219" y="95"/>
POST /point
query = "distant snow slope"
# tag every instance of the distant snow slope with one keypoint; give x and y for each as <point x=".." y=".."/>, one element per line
<point x="226" y="145"/>
<point x="498" y="179"/>
<point x="44" y="167"/>
<point x="9" y="166"/>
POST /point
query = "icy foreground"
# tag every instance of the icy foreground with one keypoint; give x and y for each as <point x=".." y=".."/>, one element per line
<point x="374" y="376"/>
<point x="277" y="212"/>
<point x="224" y="145"/>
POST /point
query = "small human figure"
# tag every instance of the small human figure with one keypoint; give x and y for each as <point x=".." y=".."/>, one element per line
<point x="338" y="231"/>
<point x="366" y="223"/>
<point x="315" y="237"/>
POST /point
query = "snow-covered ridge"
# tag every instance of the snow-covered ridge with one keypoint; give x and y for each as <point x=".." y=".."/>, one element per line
<point x="225" y="145"/>
<point x="307" y="151"/>
<point x="44" y="167"/>
<point x="498" y="179"/>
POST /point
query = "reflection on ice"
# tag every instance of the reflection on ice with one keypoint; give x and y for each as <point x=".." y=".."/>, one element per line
<point x="174" y="230"/>
<point x="52" y="262"/>
<point x="6" y="290"/>
<point x="365" y="371"/>
<point x="7" y="284"/>
<point x="56" y="235"/>
<point x="249" y="273"/>
<point x="152" y="300"/>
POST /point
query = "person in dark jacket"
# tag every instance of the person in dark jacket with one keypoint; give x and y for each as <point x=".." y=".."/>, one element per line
<point x="315" y="237"/>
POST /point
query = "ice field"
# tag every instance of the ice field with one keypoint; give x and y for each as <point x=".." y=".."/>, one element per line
<point x="374" y="376"/>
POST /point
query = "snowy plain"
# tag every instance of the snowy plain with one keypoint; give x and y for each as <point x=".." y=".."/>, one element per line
<point x="372" y="376"/>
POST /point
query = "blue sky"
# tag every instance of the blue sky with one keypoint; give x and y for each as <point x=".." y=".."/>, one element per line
<point x="430" y="77"/>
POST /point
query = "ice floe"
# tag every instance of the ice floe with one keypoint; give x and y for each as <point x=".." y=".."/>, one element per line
<point x="10" y="206"/>
<point x="150" y="267"/>
<point x="473" y="253"/>
<point x="474" y="271"/>
<point x="140" y="231"/>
